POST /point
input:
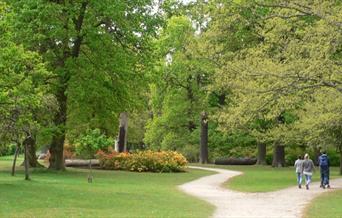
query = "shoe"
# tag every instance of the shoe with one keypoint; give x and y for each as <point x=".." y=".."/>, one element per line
<point x="307" y="187"/>
<point x="328" y="186"/>
<point x="299" y="186"/>
<point x="323" y="186"/>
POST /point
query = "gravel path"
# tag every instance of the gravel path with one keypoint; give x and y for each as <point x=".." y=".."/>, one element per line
<point x="289" y="202"/>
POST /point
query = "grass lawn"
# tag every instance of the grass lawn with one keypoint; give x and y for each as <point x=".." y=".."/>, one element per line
<point x="326" y="205"/>
<point x="112" y="194"/>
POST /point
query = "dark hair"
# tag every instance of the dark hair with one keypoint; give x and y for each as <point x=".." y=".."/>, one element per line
<point x="324" y="152"/>
<point x="300" y="157"/>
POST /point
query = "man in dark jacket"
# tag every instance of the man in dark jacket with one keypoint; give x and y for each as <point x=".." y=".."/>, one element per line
<point x="324" y="164"/>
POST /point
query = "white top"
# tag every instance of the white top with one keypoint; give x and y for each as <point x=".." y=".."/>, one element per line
<point x="299" y="166"/>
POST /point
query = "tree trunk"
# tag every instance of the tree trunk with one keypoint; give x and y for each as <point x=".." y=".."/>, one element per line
<point x="17" y="149"/>
<point x="340" y="162"/>
<point x="57" y="145"/>
<point x="317" y="153"/>
<point x="32" y="158"/>
<point x="81" y="163"/>
<point x="56" y="153"/>
<point x="278" y="156"/>
<point x="26" y="161"/>
<point x="261" y="154"/>
<point x="204" y="138"/>
<point x="122" y="142"/>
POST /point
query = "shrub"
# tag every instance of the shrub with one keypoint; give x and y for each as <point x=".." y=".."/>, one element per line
<point x="191" y="152"/>
<point x="92" y="141"/>
<point x="6" y="150"/>
<point x="143" y="161"/>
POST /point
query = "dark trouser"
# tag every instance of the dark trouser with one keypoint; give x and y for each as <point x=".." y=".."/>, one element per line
<point x="325" y="176"/>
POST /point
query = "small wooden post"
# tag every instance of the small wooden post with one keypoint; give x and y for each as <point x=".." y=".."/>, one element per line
<point x="90" y="176"/>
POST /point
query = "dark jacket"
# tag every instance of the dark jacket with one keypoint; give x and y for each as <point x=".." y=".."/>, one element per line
<point x="323" y="158"/>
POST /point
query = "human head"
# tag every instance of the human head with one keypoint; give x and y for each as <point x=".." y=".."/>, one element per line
<point x="306" y="156"/>
<point x="300" y="157"/>
<point x="324" y="152"/>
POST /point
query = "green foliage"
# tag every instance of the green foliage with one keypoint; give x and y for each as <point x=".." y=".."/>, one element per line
<point x="8" y="149"/>
<point x="143" y="161"/>
<point x="265" y="72"/>
<point x="136" y="128"/>
<point x="280" y="64"/>
<point x="237" y="144"/>
<point x="92" y="141"/>
<point x="179" y="93"/>
<point x="99" y="52"/>
<point x="22" y="84"/>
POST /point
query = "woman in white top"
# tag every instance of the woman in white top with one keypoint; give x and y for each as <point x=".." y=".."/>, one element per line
<point x="299" y="170"/>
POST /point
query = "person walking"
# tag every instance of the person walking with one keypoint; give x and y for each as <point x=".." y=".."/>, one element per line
<point x="324" y="164"/>
<point x="299" y="170"/>
<point x="308" y="169"/>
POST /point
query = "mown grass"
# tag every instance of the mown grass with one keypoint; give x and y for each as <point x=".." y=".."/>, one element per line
<point x="266" y="178"/>
<point x="112" y="194"/>
<point x="326" y="205"/>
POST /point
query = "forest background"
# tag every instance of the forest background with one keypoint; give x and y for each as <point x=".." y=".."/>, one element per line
<point x="254" y="78"/>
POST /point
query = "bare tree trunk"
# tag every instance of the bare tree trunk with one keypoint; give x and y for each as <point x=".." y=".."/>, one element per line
<point x="340" y="162"/>
<point x="32" y="158"/>
<point x="204" y="138"/>
<point x="317" y="153"/>
<point x="56" y="153"/>
<point x="57" y="145"/>
<point x="278" y="156"/>
<point x="261" y="154"/>
<point x="26" y="161"/>
<point x="17" y="149"/>
<point x="81" y="163"/>
<point x="122" y="142"/>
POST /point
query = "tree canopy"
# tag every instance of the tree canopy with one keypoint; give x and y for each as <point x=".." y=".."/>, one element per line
<point x="262" y="72"/>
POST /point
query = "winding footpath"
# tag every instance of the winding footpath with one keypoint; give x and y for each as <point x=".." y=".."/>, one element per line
<point x="289" y="202"/>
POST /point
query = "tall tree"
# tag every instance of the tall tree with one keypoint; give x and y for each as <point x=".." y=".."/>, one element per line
<point x="22" y="86"/>
<point x="178" y="93"/>
<point x="82" y="40"/>
<point x="296" y="53"/>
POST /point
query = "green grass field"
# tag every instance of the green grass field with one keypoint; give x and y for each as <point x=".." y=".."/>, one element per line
<point x="326" y="205"/>
<point x="112" y="194"/>
<point x="127" y="194"/>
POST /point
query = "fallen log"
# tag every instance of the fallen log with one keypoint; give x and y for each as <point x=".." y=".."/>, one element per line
<point x="235" y="161"/>
<point x="81" y="163"/>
